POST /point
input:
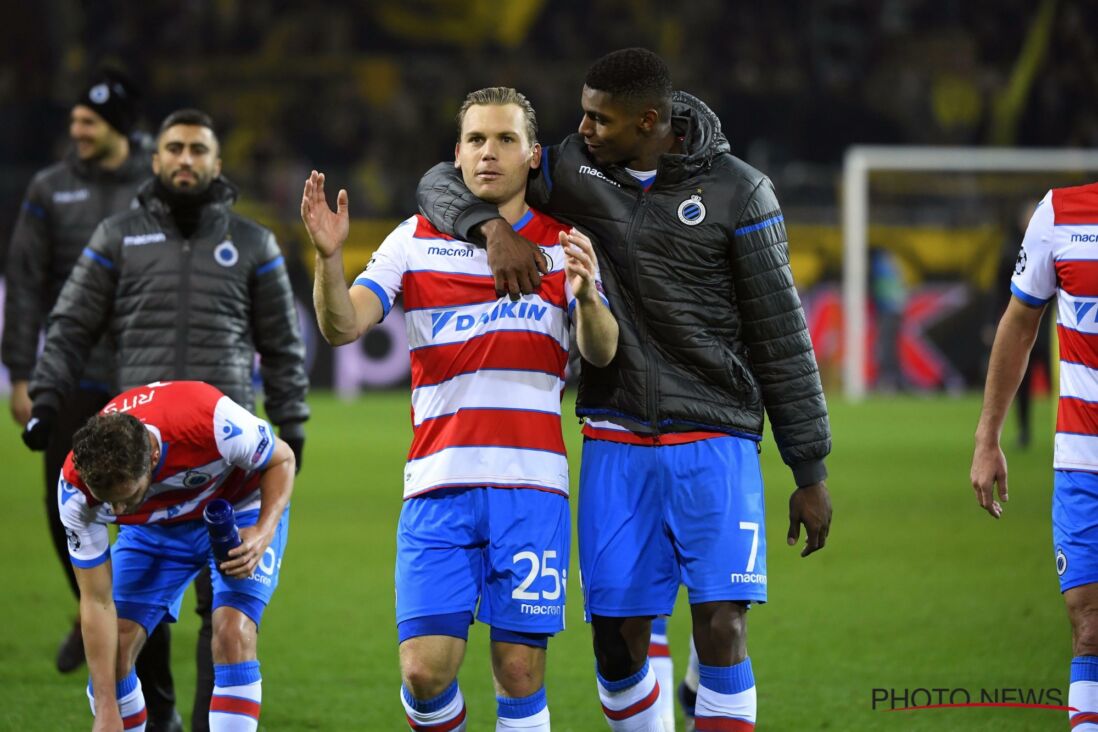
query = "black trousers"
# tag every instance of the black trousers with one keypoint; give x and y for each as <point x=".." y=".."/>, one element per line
<point x="154" y="662"/>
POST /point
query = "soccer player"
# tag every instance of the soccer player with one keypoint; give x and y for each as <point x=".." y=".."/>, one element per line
<point x="694" y="256"/>
<point x="1057" y="259"/>
<point x="485" y="523"/>
<point x="150" y="462"/>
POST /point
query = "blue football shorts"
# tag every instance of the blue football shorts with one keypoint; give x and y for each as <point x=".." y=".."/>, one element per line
<point x="501" y="553"/>
<point x="154" y="563"/>
<point x="1075" y="527"/>
<point x="651" y="518"/>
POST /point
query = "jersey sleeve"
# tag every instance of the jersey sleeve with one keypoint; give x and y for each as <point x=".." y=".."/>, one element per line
<point x="1034" y="280"/>
<point x="243" y="439"/>
<point x="384" y="275"/>
<point x="89" y="541"/>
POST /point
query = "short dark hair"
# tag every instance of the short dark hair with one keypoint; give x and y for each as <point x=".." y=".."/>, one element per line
<point x="636" y="76"/>
<point x="111" y="449"/>
<point x="499" y="96"/>
<point x="192" y="117"/>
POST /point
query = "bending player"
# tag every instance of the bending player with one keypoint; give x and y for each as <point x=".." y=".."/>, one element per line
<point x="150" y="461"/>
<point x="485" y="524"/>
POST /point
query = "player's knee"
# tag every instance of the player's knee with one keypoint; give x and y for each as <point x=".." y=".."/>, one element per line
<point x="1084" y="626"/>
<point x="233" y="643"/>
<point x="720" y="632"/>
<point x="621" y="645"/>
<point x="518" y="674"/>
<point x="423" y="679"/>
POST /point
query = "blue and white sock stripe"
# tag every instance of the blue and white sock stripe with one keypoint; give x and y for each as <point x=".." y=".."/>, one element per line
<point x="237" y="674"/>
<point x="615" y="686"/>
<point x="1084" y="668"/>
<point x="727" y="679"/>
<point x="434" y="704"/>
<point x="522" y="707"/>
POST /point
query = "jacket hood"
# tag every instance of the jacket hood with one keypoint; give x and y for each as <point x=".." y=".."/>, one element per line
<point x="692" y="118"/>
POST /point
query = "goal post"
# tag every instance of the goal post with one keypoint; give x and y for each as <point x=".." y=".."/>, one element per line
<point x="862" y="160"/>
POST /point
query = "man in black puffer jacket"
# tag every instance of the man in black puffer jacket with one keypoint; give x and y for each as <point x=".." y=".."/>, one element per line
<point x="694" y="259"/>
<point x="186" y="290"/>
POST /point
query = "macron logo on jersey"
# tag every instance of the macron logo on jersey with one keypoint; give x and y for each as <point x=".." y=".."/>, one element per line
<point x="516" y="310"/>
<point x="230" y="430"/>
<point x="450" y="251"/>
<point x="1085" y="238"/>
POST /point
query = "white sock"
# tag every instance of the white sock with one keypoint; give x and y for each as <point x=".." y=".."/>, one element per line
<point x="530" y="713"/>
<point x="1083" y="694"/>
<point x="659" y="656"/>
<point x="237" y="697"/>
<point x="629" y="705"/>
<point x="444" y="713"/>
<point x="726" y="698"/>
<point x="131" y="702"/>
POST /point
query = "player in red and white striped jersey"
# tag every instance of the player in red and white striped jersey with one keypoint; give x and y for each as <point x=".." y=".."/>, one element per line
<point x="151" y="461"/>
<point x="1059" y="258"/>
<point x="485" y="524"/>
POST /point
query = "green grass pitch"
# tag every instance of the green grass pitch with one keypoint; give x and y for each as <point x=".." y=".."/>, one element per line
<point x="917" y="587"/>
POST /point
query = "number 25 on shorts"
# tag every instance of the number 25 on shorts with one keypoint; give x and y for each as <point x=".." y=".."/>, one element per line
<point x="522" y="592"/>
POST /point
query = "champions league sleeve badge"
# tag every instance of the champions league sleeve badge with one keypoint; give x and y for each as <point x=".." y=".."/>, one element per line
<point x="1020" y="262"/>
<point x="692" y="211"/>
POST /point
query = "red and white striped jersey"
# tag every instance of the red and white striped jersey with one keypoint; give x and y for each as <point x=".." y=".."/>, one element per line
<point x="210" y="447"/>
<point x="487" y="373"/>
<point x="1059" y="257"/>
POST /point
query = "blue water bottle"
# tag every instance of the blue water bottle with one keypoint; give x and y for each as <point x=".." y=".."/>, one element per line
<point x="221" y="523"/>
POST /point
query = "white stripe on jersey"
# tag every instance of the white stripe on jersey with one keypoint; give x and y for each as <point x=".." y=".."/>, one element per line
<point x="1079" y="381"/>
<point x="1077" y="313"/>
<point x="532" y="390"/>
<point x="1075" y="452"/>
<point x="479" y="466"/>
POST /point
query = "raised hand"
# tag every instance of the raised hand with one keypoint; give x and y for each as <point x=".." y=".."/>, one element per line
<point x="580" y="264"/>
<point x="327" y="228"/>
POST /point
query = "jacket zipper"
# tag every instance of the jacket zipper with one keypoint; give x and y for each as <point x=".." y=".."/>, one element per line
<point x="183" y="322"/>
<point x="630" y="243"/>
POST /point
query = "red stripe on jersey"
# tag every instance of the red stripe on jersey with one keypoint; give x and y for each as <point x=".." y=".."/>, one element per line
<point x="488" y="427"/>
<point x="424" y="290"/>
<point x="514" y="350"/>
<point x="424" y="230"/>
<point x="1078" y="347"/>
<point x="1078" y="277"/>
<point x="633" y="709"/>
<point x="632" y="438"/>
<point x="135" y="720"/>
<point x="1077" y="416"/>
<point x="543" y="230"/>
<point x="234" y="705"/>
<point x="1076" y="205"/>
<point x="722" y="724"/>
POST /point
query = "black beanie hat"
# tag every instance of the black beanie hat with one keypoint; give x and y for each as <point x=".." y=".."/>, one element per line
<point x="115" y="98"/>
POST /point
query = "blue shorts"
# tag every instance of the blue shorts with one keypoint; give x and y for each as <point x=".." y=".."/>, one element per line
<point x="154" y="563"/>
<point x="506" y="547"/>
<point x="1075" y="527"/>
<point x="651" y="518"/>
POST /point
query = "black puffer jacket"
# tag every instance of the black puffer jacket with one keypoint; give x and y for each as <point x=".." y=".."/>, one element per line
<point x="196" y="309"/>
<point x="63" y="205"/>
<point x="697" y="272"/>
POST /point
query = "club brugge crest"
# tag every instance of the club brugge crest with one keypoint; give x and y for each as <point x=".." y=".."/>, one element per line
<point x="195" y="479"/>
<point x="692" y="211"/>
<point x="548" y="260"/>
<point x="225" y="254"/>
<point x="1061" y="562"/>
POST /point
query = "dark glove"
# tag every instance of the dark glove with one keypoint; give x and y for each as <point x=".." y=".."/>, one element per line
<point x="293" y="434"/>
<point x="36" y="435"/>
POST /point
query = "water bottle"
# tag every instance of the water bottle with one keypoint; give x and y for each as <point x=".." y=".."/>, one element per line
<point x="221" y="523"/>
